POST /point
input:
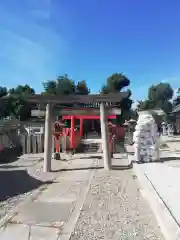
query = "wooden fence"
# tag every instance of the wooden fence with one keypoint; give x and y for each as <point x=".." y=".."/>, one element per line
<point x="4" y="140"/>
<point x="32" y="143"/>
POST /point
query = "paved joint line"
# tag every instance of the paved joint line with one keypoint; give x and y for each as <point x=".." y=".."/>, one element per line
<point x="29" y="198"/>
<point x="69" y="227"/>
<point x="169" y="210"/>
<point x="168" y="226"/>
<point x="29" y="235"/>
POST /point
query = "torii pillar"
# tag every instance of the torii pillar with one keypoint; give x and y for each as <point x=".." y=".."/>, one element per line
<point x="105" y="137"/>
<point x="48" y="139"/>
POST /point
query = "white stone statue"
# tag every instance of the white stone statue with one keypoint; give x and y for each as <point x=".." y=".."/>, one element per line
<point x="170" y="129"/>
<point x="146" y="138"/>
<point x="164" y="128"/>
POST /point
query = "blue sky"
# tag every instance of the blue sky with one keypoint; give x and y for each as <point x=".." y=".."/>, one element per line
<point x="90" y="39"/>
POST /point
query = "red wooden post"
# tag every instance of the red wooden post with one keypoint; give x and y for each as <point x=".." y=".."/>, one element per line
<point x="72" y="132"/>
<point x="57" y="136"/>
<point x="81" y="127"/>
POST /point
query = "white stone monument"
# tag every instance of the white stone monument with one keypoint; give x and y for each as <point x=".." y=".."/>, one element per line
<point x="170" y="130"/>
<point x="146" y="138"/>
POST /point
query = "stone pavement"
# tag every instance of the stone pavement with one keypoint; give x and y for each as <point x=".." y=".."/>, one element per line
<point x="160" y="182"/>
<point x="86" y="202"/>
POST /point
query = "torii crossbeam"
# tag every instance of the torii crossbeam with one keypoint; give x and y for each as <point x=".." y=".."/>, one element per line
<point x="51" y="101"/>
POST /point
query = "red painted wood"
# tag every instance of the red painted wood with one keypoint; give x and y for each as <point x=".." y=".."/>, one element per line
<point x="81" y="127"/>
<point x="88" y="117"/>
<point x="72" y="135"/>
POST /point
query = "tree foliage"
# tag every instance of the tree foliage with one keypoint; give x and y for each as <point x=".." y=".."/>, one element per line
<point x="64" y="85"/>
<point x="160" y="92"/>
<point x="82" y="88"/>
<point x="159" y="96"/>
<point x="114" y="84"/>
<point x="3" y="110"/>
<point x="18" y="106"/>
<point x="3" y="91"/>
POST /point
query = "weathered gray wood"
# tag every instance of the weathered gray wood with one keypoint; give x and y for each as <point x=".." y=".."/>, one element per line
<point x="104" y="136"/>
<point x="23" y="143"/>
<point x="34" y="144"/>
<point x="112" y="97"/>
<point x="48" y="139"/>
<point x="28" y="143"/>
<point x="40" y="143"/>
<point x="75" y="112"/>
<point x="5" y="141"/>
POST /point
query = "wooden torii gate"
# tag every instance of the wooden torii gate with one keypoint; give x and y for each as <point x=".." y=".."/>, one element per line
<point x="51" y="101"/>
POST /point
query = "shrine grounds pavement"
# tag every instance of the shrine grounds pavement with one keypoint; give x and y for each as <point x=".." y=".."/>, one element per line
<point x="82" y="201"/>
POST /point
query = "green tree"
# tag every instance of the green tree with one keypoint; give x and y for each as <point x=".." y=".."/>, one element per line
<point x="3" y="91"/>
<point x="22" y="90"/>
<point x="18" y="106"/>
<point x="114" y="84"/>
<point x="82" y="88"/>
<point x="3" y="109"/>
<point x="145" y="105"/>
<point x="159" y="96"/>
<point x="63" y="85"/>
<point x="50" y="87"/>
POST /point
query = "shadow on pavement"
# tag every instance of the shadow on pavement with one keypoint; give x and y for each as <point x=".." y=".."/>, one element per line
<point x="4" y="166"/>
<point x="16" y="182"/>
<point x="172" y="140"/>
<point x="10" y="155"/>
<point x="91" y="157"/>
<point x="164" y="159"/>
<point x="114" y="167"/>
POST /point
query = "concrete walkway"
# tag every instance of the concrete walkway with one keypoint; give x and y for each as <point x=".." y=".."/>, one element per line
<point x="85" y="202"/>
<point x="160" y="184"/>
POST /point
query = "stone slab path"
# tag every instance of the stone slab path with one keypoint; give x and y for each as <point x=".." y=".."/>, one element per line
<point x="86" y="203"/>
<point x="164" y="178"/>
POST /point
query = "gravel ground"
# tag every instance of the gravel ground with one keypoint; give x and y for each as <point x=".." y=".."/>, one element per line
<point x="114" y="209"/>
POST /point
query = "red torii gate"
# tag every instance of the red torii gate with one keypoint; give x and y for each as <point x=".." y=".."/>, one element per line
<point x="61" y="130"/>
